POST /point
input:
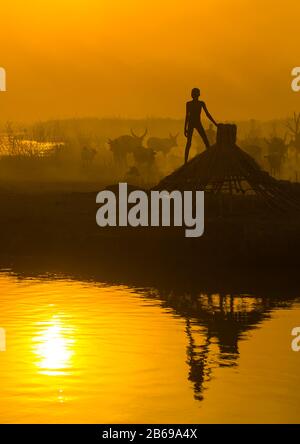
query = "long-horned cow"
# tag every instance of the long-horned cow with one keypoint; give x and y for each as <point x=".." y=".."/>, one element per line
<point x="163" y="145"/>
<point x="144" y="156"/>
<point x="293" y="126"/>
<point x="124" y="145"/>
<point x="277" y="148"/>
<point x="88" y="155"/>
<point x="144" y="159"/>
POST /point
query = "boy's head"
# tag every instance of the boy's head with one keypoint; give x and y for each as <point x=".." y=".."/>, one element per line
<point x="195" y="93"/>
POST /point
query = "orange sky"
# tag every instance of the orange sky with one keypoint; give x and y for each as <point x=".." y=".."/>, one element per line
<point x="134" y="58"/>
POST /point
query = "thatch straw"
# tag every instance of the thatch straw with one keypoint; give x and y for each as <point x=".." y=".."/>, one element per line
<point x="225" y="168"/>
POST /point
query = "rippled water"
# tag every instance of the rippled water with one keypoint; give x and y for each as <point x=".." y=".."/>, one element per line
<point x="87" y="352"/>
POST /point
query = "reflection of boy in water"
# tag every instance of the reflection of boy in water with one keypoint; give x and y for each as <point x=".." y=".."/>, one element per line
<point x="193" y="121"/>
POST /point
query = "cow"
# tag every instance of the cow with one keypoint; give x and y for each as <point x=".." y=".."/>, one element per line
<point x="133" y="176"/>
<point x="88" y="155"/>
<point x="144" y="156"/>
<point x="124" y="145"/>
<point x="275" y="164"/>
<point x="144" y="159"/>
<point x="293" y="126"/>
<point x="277" y="148"/>
<point x="163" y="145"/>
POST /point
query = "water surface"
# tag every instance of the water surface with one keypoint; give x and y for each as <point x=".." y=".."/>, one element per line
<point x="88" y="352"/>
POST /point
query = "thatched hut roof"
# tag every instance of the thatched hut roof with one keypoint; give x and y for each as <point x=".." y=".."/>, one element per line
<point x="225" y="168"/>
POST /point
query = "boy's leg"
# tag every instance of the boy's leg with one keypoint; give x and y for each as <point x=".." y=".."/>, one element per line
<point x="203" y="135"/>
<point x="188" y="144"/>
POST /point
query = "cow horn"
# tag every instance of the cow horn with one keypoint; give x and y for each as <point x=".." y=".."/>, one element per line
<point x="145" y="133"/>
<point x="139" y="137"/>
<point x="133" y="134"/>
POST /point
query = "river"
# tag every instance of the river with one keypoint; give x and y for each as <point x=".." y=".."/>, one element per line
<point x="92" y="352"/>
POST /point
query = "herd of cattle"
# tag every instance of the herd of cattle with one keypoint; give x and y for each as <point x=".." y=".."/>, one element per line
<point x="276" y="152"/>
<point x="271" y="153"/>
<point x="280" y="153"/>
<point x="134" y="158"/>
<point x="134" y="144"/>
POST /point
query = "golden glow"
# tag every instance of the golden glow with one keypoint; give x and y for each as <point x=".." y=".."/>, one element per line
<point x="54" y="347"/>
<point x="84" y="353"/>
<point x="131" y="58"/>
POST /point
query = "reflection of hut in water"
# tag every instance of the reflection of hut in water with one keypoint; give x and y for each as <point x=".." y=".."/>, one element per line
<point x="215" y="324"/>
<point x="226" y="169"/>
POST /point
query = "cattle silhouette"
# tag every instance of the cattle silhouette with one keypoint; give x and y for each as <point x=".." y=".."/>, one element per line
<point x="163" y="145"/>
<point x="277" y="153"/>
<point x="88" y="155"/>
<point x="123" y="145"/>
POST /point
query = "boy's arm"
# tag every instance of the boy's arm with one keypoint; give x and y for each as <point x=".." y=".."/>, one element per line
<point x="187" y="113"/>
<point x="209" y="116"/>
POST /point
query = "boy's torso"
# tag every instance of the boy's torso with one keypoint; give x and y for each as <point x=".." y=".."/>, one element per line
<point x="194" y="109"/>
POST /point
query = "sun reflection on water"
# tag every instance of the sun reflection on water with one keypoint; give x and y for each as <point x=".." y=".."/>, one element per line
<point x="54" y="347"/>
<point x="79" y="352"/>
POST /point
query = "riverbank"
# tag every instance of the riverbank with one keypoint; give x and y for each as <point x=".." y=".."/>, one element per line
<point x="62" y="224"/>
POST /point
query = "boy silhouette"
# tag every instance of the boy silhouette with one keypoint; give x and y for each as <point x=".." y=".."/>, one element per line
<point x="193" y="121"/>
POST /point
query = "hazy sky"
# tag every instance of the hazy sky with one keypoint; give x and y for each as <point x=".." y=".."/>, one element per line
<point x="136" y="58"/>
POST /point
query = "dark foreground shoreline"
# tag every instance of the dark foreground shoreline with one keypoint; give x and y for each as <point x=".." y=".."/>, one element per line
<point x="54" y="224"/>
<point x="57" y="231"/>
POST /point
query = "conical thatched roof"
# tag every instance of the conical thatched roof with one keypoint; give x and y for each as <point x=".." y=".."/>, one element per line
<point x="225" y="168"/>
